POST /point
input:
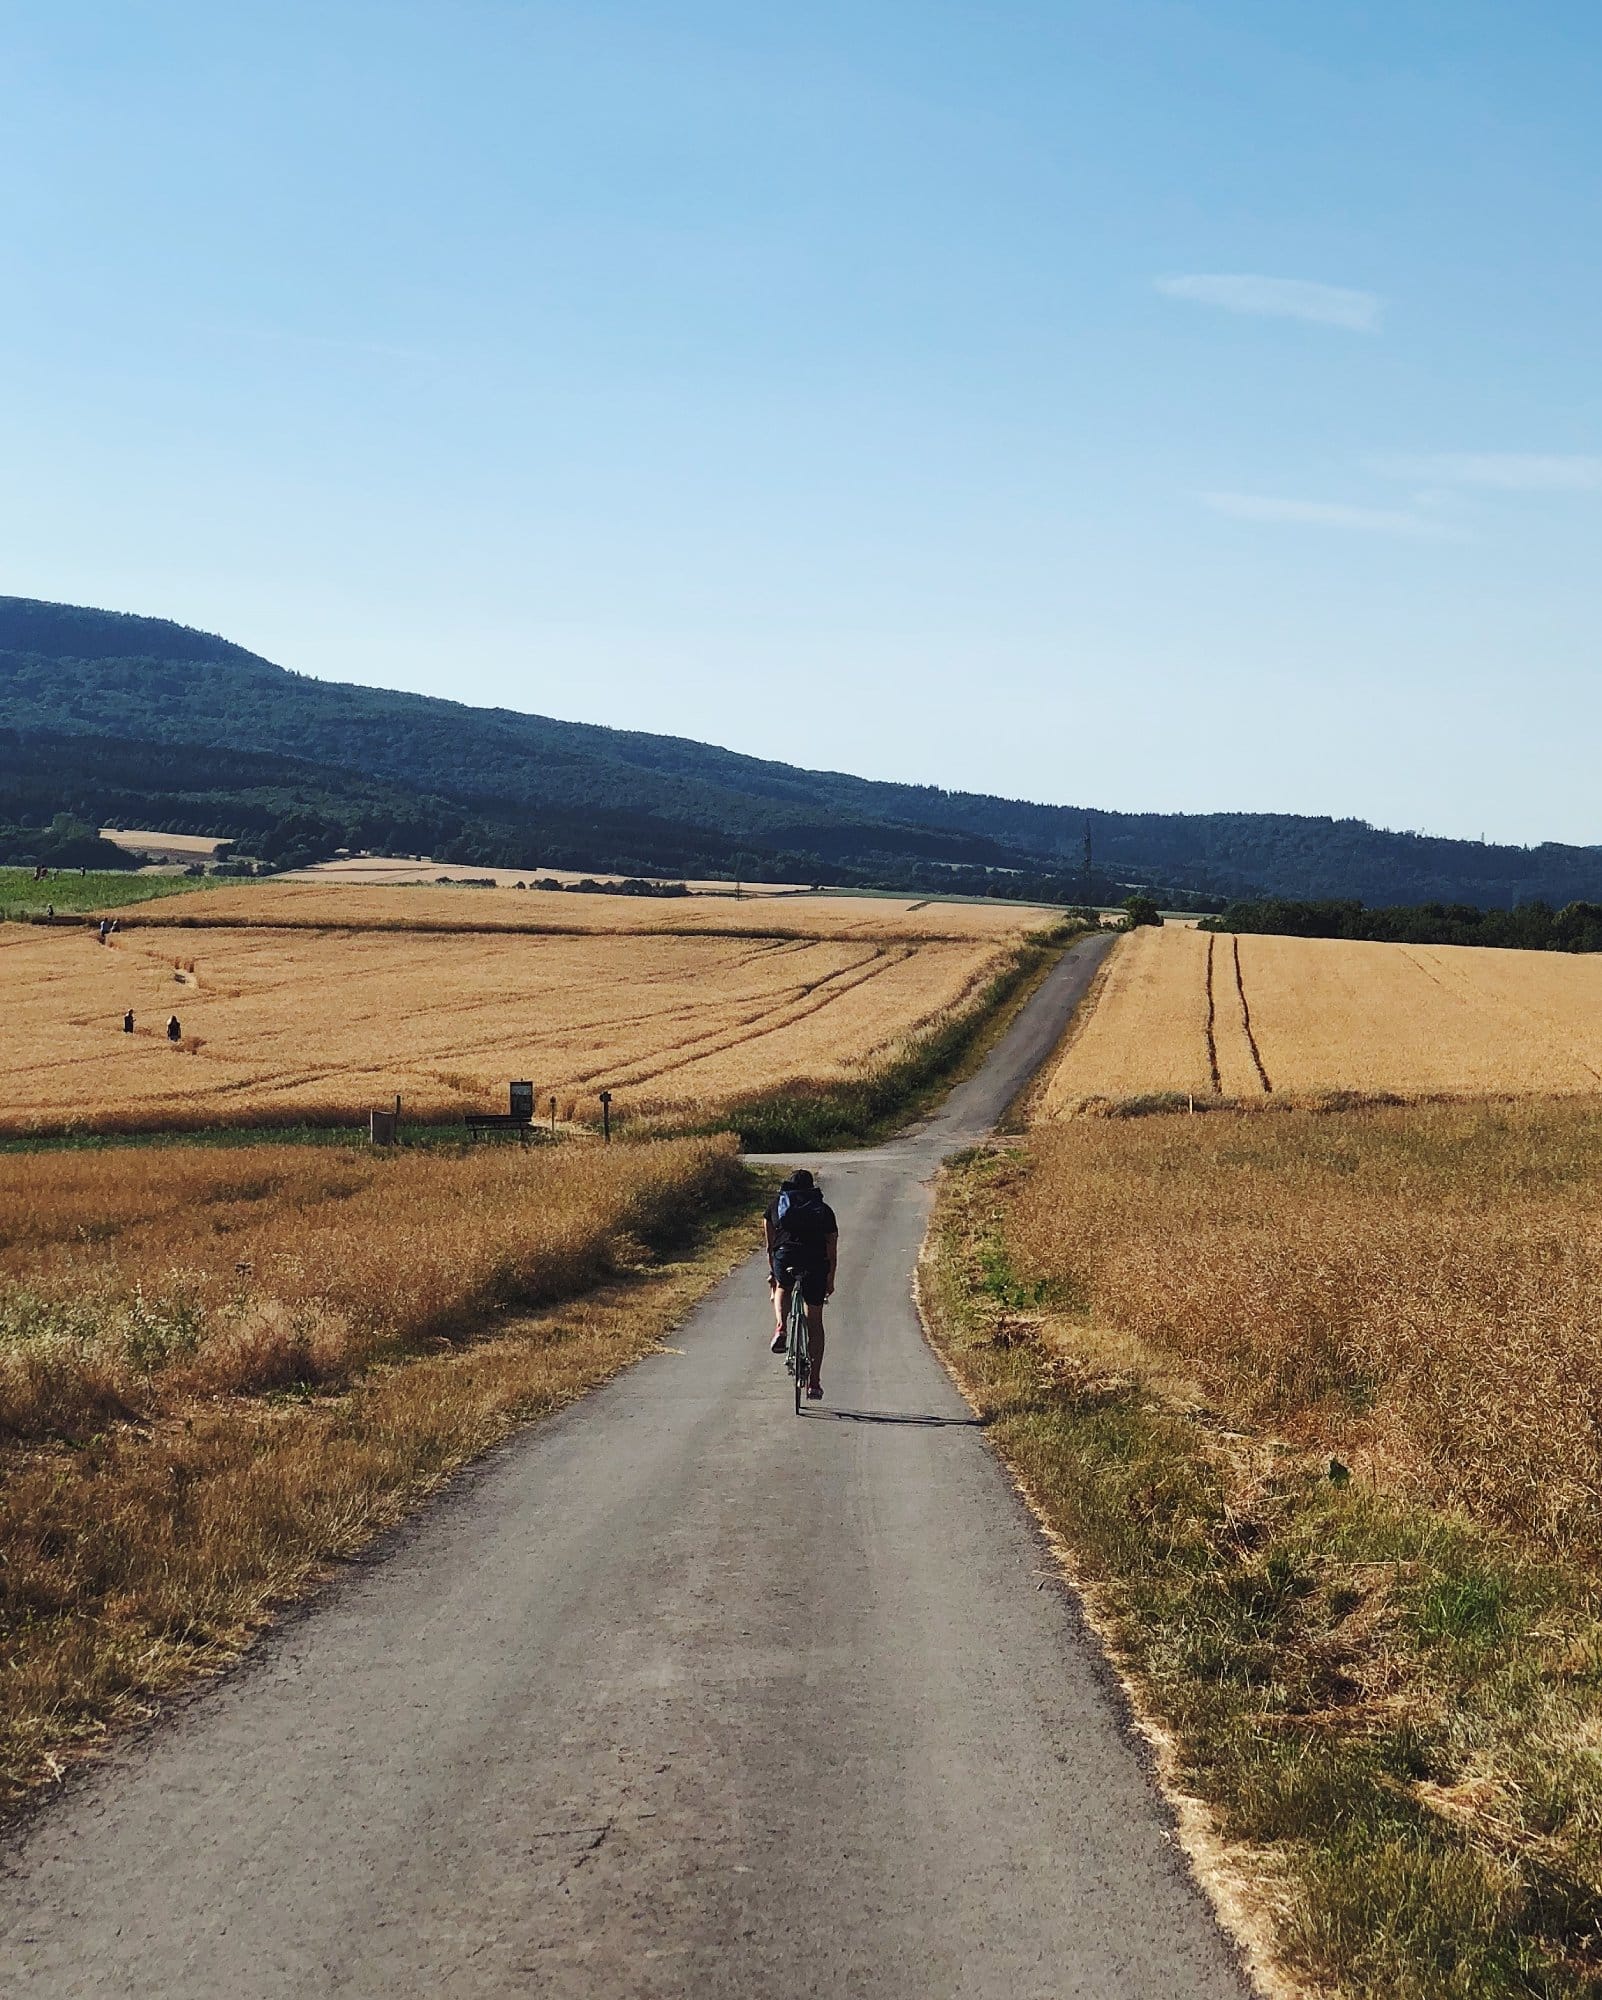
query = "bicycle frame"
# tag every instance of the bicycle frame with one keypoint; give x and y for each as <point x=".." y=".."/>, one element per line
<point x="797" y="1357"/>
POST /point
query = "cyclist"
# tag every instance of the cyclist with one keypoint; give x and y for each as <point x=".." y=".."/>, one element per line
<point x="803" y="1246"/>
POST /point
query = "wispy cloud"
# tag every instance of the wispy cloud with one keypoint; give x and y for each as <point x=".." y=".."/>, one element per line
<point x="1279" y="298"/>
<point x="1511" y="471"/>
<point x="1333" y="514"/>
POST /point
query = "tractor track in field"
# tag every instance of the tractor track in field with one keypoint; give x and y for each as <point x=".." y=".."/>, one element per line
<point x="1246" y="1020"/>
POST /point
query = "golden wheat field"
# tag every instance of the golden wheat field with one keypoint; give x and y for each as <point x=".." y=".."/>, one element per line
<point x="1245" y="1017"/>
<point x="400" y="906"/>
<point x="283" y="1025"/>
<point x="1416" y="1289"/>
<point x="132" y="1278"/>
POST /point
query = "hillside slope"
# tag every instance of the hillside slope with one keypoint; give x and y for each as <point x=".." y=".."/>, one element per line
<point x="119" y="715"/>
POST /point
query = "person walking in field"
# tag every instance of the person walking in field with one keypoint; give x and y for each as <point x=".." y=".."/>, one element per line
<point x="127" y="1022"/>
<point x="802" y="1239"/>
<point x="174" y="1032"/>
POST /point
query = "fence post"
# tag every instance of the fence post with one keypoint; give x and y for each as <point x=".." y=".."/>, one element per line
<point x="606" y="1117"/>
<point x="553" y="1117"/>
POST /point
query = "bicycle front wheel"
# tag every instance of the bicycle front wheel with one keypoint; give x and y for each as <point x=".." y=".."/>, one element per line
<point x="800" y="1361"/>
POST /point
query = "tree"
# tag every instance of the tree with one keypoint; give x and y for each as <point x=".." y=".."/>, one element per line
<point x="1140" y="910"/>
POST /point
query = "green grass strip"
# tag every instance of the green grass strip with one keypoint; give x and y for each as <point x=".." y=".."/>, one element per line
<point x="22" y="899"/>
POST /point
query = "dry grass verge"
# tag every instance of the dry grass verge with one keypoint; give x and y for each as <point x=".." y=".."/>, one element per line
<point x="143" y="1542"/>
<point x="1390" y="1706"/>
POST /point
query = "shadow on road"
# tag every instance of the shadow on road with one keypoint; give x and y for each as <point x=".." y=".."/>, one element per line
<point x="897" y="1417"/>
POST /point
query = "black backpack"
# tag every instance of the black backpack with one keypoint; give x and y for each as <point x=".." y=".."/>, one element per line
<point x="799" y="1219"/>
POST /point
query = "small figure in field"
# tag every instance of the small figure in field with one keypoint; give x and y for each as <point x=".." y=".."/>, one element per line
<point x="50" y="911"/>
<point x="174" y="1032"/>
<point x="127" y="1022"/>
<point x="116" y="923"/>
<point x="105" y="929"/>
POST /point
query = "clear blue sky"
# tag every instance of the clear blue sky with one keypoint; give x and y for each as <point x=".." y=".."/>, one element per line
<point x="1154" y="405"/>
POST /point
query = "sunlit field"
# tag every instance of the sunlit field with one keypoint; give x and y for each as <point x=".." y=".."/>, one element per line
<point x="285" y="1025"/>
<point x="1253" y="1017"/>
<point x="324" y="905"/>
<point x="130" y="1279"/>
<point x="1416" y="1288"/>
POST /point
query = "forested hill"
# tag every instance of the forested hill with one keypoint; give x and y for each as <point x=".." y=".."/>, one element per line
<point x="347" y="765"/>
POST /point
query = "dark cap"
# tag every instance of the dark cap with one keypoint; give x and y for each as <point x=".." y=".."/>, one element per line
<point x="800" y="1178"/>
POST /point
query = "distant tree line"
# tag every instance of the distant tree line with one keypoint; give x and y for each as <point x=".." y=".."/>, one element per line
<point x="62" y="842"/>
<point x="1533" y="926"/>
<point x="189" y="727"/>
<point x="284" y="813"/>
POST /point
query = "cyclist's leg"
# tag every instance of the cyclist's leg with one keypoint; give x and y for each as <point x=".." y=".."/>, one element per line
<point x="814" y="1298"/>
<point x="779" y="1293"/>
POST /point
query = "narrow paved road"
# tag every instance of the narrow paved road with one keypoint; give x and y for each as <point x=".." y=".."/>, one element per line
<point x="676" y="1694"/>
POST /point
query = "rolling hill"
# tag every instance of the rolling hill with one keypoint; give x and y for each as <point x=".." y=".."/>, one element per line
<point x="118" y="718"/>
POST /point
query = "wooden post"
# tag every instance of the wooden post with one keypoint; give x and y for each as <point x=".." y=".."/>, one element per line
<point x="553" y="1117"/>
<point x="606" y="1116"/>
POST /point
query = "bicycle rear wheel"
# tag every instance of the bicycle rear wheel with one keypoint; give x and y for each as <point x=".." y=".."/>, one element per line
<point x="800" y="1362"/>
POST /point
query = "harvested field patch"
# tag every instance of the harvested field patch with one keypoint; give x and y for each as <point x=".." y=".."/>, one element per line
<point x="323" y="905"/>
<point x="387" y="871"/>
<point x="1215" y="1016"/>
<point x="291" y="1025"/>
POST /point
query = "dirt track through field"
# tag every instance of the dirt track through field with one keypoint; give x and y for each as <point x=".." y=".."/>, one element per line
<point x="675" y="1695"/>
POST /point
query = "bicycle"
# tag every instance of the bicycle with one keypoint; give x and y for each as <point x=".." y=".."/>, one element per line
<point x="797" y="1358"/>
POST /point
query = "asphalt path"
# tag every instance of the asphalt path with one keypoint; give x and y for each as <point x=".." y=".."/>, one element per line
<point x="675" y="1694"/>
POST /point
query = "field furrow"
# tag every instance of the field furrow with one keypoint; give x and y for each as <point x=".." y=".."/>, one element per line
<point x="290" y="1023"/>
<point x="1149" y="1030"/>
<point x="1245" y="1017"/>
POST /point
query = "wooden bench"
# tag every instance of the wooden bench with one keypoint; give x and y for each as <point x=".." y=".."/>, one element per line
<point x="492" y="1124"/>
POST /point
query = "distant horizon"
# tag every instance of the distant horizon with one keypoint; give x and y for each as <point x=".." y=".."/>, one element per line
<point x="582" y="721"/>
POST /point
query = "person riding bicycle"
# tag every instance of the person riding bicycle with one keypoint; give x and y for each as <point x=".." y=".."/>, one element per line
<point x="803" y="1245"/>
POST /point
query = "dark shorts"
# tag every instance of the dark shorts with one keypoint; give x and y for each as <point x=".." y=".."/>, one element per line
<point x="813" y="1278"/>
